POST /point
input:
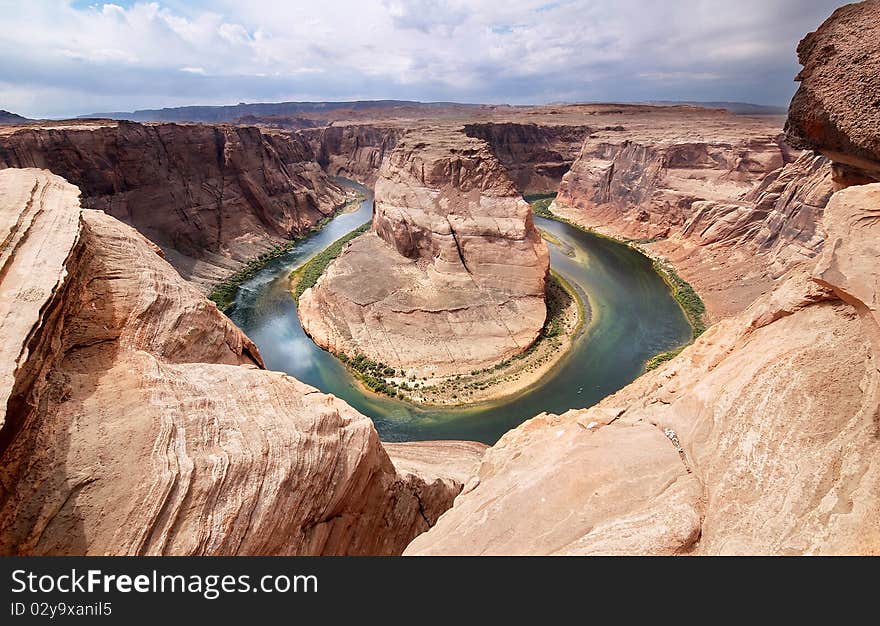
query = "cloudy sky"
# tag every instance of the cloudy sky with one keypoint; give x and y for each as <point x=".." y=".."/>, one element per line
<point x="60" y="58"/>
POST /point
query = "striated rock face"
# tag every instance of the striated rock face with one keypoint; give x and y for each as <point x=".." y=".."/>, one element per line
<point x="451" y="277"/>
<point x="725" y="201"/>
<point x="535" y="156"/>
<point x="836" y="110"/>
<point x="210" y="196"/>
<point x="136" y="419"/>
<point x="733" y="251"/>
<point x="761" y="438"/>
<point x="645" y="187"/>
<point x="354" y="151"/>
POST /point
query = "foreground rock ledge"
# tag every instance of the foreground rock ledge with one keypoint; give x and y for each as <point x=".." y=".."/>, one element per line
<point x="836" y="110"/>
<point x="760" y="438"/>
<point x="450" y="279"/>
<point x="136" y="419"/>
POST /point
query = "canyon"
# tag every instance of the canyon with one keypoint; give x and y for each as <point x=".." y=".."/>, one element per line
<point x="140" y="420"/>
<point x="423" y="291"/>
<point x="212" y="197"/>
<point x="760" y="438"/>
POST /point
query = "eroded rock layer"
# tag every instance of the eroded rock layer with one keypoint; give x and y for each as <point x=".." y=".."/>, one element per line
<point x="761" y="438"/>
<point x="536" y="156"/>
<point x="354" y="151"/>
<point x="136" y="419"/>
<point x="450" y="278"/>
<point x="727" y="203"/>
<point x="645" y="182"/>
<point x="210" y="196"/>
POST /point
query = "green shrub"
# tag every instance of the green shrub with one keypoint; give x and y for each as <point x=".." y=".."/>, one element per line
<point x="308" y="274"/>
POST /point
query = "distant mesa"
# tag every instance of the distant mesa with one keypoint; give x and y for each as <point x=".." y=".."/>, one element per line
<point x="229" y="113"/>
<point x="12" y="118"/>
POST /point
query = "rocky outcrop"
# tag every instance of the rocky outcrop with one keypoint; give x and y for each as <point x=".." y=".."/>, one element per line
<point x="760" y="438"/>
<point x="211" y="196"/>
<point x="536" y="156"/>
<point x="354" y="151"/>
<point x="731" y="214"/>
<point x="734" y="251"/>
<point x="836" y="110"/>
<point x="646" y="187"/>
<point x="136" y="419"/>
<point x="450" y="279"/>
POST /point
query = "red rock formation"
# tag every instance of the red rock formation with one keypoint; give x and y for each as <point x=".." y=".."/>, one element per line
<point x="210" y="196"/>
<point x="761" y="437"/>
<point x="536" y="156"/>
<point x="136" y="420"/>
<point x="644" y="187"/>
<point x="836" y="110"/>
<point x="451" y="277"/>
<point x="354" y="151"/>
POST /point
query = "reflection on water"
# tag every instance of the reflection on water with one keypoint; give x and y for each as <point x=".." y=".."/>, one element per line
<point x="634" y="318"/>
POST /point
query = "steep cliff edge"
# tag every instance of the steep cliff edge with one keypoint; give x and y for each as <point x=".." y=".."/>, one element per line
<point x="354" y="151"/>
<point x="536" y="156"/>
<point x="727" y="203"/>
<point x="211" y="196"/>
<point x="836" y="110"/>
<point x="136" y="419"/>
<point x="760" y="438"/>
<point x="451" y="278"/>
<point x="643" y="182"/>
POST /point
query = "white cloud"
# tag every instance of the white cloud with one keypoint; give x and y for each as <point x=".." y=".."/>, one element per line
<point x="132" y="55"/>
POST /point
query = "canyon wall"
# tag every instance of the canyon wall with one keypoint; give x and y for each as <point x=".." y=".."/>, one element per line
<point x="136" y="418"/>
<point x="726" y="202"/>
<point x="536" y="156"/>
<point x="451" y="277"/>
<point x="644" y="186"/>
<point x="354" y="151"/>
<point x="211" y="196"/>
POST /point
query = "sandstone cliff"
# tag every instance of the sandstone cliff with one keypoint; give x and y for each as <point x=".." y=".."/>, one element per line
<point x="836" y="110"/>
<point x="136" y="419"/>
<point x="451" y="277"/>
<point x="761" y="438"/>
<point x="725" y="201"/>
<point x="210" y="196"/>
<point x="536" y="156"/>
<point x="354" y="151"/>
<point x="644" y="183"/>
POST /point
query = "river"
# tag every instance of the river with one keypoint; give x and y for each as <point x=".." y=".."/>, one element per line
<point x="634" y="317"/>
